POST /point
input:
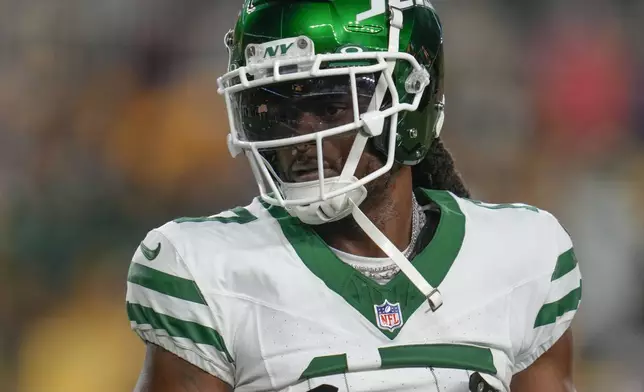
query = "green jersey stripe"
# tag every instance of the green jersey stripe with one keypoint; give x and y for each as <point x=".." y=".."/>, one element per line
<point x="450" y="356"/>
<point x="163" y="283"/>
<point x="549" y="312"/>
<point x="565" y="263"/>
<point x="326" y="366"/>
<point x="241" y="216"/>
<point x="177" y="328"/>
<point x="175" y="307"/>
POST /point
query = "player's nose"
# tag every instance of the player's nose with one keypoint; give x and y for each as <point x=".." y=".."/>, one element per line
<point x="308" y="122"/>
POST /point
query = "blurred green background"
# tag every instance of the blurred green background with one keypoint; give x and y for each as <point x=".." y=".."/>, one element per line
<point x="110" y="125"/>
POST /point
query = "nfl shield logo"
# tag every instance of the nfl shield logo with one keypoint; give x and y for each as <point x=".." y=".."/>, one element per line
<point x="389" y="316"/>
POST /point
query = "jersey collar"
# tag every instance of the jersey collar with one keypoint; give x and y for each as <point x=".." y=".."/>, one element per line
<point x="362" y="293"/>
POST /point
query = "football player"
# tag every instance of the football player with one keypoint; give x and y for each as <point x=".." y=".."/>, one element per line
<point x="363" y="265"/>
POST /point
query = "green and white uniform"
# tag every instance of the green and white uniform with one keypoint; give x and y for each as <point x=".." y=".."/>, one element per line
<point x="256" y="298"/>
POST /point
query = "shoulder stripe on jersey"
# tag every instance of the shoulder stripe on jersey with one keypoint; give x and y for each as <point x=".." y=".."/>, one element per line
<point x="565" y="263"/>
<point x="491" y="206"/>
<point x="175" y="327"/>
<point x="549" y="312"/>
<point x="241" y="216"/>
<point x="163" y="283"/>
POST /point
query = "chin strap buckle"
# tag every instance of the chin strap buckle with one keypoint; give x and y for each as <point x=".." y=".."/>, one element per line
<point x="435" y="300"/>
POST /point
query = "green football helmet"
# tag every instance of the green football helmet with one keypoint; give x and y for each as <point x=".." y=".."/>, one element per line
<point x="289" y="57"/>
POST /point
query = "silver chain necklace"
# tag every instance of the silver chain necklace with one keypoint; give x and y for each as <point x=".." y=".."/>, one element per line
<point x="418" y="221"/>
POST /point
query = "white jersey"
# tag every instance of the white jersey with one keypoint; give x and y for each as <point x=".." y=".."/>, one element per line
<point x="257" y="299"/>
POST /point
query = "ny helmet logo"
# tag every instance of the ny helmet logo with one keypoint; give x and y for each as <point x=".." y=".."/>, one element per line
<point x="271" y="51"/>
<point x="379" y="7"/>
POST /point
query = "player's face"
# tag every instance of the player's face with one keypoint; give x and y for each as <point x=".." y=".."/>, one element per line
<point x="304" y="107"/>
<point x="300" y="163"/>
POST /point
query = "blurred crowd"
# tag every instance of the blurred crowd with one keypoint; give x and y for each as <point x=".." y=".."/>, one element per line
<point x="110" y="125"/>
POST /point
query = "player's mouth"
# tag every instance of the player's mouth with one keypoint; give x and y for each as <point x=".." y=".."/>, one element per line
<point x="309" y="172"/>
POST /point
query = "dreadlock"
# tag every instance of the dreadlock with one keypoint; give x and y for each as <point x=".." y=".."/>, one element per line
<point x="437" y="171"/>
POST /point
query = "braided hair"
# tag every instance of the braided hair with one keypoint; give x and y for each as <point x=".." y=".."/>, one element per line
<point x="437" y="171"/>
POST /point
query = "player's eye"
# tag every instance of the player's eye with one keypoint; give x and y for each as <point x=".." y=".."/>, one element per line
<point x="335" y="109"/>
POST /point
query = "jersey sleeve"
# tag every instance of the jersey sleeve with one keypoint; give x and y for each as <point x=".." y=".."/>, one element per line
<point x="545" y="306"/>
<point x="166" y="307"/>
